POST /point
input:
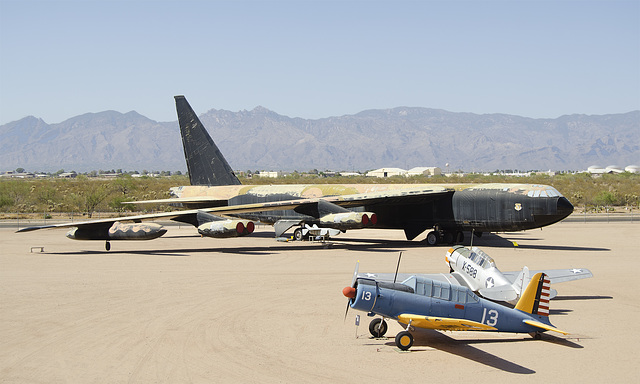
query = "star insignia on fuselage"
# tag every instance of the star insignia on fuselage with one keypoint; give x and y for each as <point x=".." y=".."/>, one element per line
<point x="574" y="270"/>
<point x="489" y="283"/>
<point x="370" y="275"/>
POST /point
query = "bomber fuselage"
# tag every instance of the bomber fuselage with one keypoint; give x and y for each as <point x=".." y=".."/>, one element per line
<point x="463" y="207"/>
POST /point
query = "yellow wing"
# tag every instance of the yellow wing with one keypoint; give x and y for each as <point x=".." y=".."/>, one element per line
<point x="444" y="323"/>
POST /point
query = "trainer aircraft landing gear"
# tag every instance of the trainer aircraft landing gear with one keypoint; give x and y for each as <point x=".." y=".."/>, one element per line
<point x="107" y="245"/>
<point x="404" y="339"/>
<point x="378" y="327"/>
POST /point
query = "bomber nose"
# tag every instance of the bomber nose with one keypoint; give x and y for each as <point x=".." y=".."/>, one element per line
<point x="564" y="207"/>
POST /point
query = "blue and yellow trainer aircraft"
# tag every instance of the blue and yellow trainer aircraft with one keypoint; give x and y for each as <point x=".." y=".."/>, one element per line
<point x="420" y="302"/>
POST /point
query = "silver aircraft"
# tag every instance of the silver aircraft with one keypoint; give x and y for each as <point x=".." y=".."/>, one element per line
<point x="474" y="269"/>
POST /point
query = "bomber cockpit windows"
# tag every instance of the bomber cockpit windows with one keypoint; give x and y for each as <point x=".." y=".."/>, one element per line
<point x="547" y="192"/>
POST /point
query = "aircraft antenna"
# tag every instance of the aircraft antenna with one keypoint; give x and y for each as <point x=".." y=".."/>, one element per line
<point x="397" y="267"/>
<point x="471" y="245"/>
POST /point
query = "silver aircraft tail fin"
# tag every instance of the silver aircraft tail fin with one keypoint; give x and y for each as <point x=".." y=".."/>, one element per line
<point x="521" y="281"/>
<point x="205" y="162"/>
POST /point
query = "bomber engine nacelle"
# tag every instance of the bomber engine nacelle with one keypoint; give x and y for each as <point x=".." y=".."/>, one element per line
<point x="118" y="231"/>
<point x="349" y="220"/>
<point x="226" y="228"/>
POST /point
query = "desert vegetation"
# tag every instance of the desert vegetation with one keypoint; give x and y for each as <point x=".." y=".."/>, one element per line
<point x="85" y="195"/>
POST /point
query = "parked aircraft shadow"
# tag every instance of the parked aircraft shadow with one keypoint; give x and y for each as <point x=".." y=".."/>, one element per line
<point x="354" y="244"/>
<point x="164" y="252"/>
<point x="563" y="248"/>
<point x="258" y="251"/>
<point x="560" y="311"/>
<point x="463" y="348"/>
<point x="497" y="241"/>
<point x="561" y="298"/>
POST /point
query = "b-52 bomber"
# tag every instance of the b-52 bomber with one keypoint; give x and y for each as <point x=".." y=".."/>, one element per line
<point x="220" y="206"/>
<point x="419" y="302"/>
<point x="474" y="269"/>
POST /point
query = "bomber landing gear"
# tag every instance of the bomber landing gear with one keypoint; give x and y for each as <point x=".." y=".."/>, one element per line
<point x="107" y="245"/>
<point x="447" y="237"/>
<point x="433" y="238"/>
<point x="378" y="327"/>
<point x="297" y="234"/>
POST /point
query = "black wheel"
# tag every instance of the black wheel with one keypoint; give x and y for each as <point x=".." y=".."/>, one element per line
<point x="297" y="234"/>
<point x="378" y="327"/>
<point x="448" y="237"/>
<point x="107" y="246"/>
<point x="537" y="336"/>
<point x="433" y="238"/>
<point x="459" y="237"/>
<point x="404" y="340"/>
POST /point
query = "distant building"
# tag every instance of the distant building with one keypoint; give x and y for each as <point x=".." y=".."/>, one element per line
<point x="632" y="169"/>
<point x="387" y="172"/>
<point x="16" y="175"/>
<point x="424" y="171"/>
<point x="347" y="174"/>
<point x="269" y="174"/>
<point x="417" y="171"/>
<point x="598" y="170"/>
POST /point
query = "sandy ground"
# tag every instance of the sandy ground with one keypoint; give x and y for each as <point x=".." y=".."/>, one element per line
<point x="185" y="309"/>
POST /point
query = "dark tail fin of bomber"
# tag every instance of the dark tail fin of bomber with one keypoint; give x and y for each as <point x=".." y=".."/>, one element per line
<point x="205" y="162"/>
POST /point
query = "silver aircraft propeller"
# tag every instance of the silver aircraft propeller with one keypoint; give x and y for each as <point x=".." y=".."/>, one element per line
<point x="350" y="291"/>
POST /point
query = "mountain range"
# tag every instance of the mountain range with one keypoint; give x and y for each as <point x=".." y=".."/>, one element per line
<point x="261" y="139"/>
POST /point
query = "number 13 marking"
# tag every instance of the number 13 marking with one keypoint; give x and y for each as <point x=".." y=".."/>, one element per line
<point x="366" y="296"/>
<point x="492" y="320"/>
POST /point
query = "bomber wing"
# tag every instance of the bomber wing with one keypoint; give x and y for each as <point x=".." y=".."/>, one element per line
<point x="181" y="200"/>
<point x="187" y="215"/>
<point x="443" y="323"/>
<point x="399" y="196"/>
<point x="99" y="222"/>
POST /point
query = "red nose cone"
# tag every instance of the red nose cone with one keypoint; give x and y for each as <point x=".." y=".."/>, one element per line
<point x="240" y="228"/>
<point x="374" y="219"/>
<point x="349" y="292"/>
<point x="250" y="227"/>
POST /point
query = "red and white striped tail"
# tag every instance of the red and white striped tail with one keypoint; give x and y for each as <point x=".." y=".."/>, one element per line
<point x="545" y="295"/>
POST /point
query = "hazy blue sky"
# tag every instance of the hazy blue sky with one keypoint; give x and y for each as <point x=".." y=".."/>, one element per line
<point x="315" y="59"/>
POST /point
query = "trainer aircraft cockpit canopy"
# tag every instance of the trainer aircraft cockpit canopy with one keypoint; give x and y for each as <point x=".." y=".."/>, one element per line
<point x="440" y="290"/>
<point x="482" y="259"/>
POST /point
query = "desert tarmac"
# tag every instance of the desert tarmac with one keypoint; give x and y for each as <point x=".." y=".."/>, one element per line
<point x="185" y="309"/>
